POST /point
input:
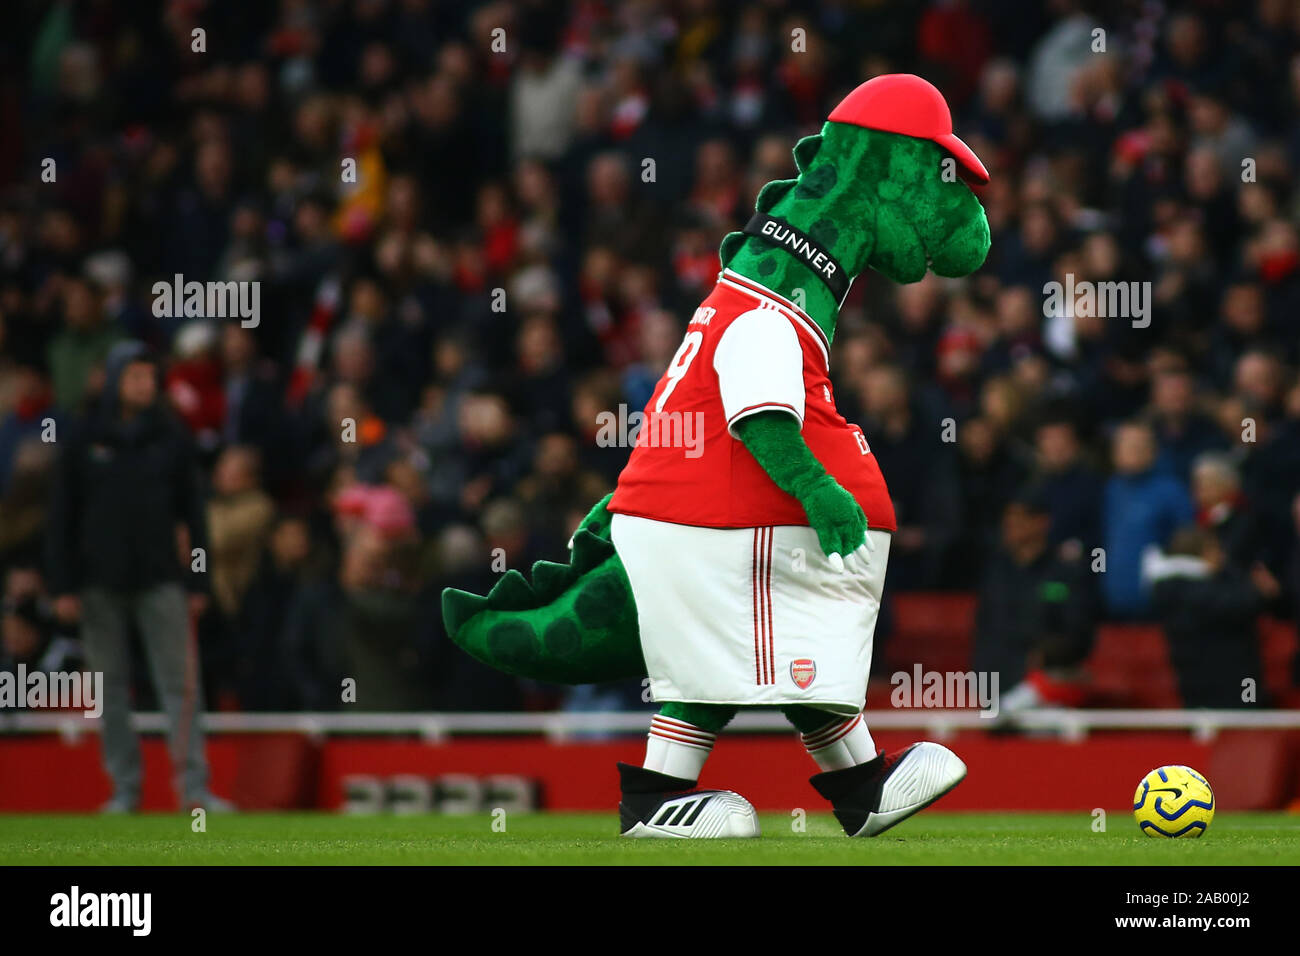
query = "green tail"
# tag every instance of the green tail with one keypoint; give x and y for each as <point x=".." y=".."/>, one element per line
<point x="572" y="623"/>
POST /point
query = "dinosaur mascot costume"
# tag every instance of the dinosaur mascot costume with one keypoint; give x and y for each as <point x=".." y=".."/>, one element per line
<point x="749" y="572"/>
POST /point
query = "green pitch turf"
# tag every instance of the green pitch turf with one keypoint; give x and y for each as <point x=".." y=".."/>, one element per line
<point x="553" y="838"/>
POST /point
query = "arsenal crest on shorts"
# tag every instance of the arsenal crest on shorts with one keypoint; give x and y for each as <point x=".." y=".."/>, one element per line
<point x="803" y="672"/>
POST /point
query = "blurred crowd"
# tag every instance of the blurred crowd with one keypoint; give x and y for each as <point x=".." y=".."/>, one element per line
<point x="506" y="265"/>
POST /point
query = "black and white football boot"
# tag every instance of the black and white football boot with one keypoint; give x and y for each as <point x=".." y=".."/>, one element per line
<point x="872" y="797"/>
<point x="657" y="805"/>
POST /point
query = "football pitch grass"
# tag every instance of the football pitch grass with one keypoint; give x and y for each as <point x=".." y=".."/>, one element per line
<point x="588" y="838"/>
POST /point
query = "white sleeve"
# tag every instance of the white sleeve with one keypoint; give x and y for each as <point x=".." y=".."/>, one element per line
<point x="760" y="367"/>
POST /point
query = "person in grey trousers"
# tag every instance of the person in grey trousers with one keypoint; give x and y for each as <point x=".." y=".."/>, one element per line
<point x="126" y="514"/>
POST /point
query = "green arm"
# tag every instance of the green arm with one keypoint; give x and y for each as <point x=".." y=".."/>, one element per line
<point x="774" y="439"/>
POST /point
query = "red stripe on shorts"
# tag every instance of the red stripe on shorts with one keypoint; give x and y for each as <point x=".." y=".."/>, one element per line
<point x="771" y="651"/>
<point x="753" y="572"/>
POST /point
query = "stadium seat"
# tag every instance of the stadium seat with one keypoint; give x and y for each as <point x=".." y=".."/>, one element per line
<point x="1129" y="667"/>
<point x="1277" y="648"/>
<point x="935" y="629"/>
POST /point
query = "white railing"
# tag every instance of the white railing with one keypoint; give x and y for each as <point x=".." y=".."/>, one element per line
<point x="1070" y="724"/>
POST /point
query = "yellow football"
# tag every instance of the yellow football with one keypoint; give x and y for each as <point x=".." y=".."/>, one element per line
<point x="1173" y="801"/>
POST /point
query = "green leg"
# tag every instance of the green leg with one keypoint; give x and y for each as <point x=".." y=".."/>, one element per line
<point x="710" y="717"/>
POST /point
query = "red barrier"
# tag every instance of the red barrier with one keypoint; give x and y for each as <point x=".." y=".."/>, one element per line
<point x="46" y="772"/>
<point x="1129" y="666"/>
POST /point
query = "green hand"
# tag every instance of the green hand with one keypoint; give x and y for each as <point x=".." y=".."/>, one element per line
<point x="836" y="517"/>
<point x="774" y="439"/>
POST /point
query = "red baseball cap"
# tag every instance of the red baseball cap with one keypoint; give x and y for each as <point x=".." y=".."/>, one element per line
<point x="905" y="103"/>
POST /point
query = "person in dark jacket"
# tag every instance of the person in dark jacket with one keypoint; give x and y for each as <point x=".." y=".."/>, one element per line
<point x="126" y="537"/>
<point x="291" y="563"/>
<point x="1208" y="608"/>
<point x="1036" y="612"/>
<point x="923" y="477"/>
<point x="1183" y="433"/>
<point x="1072" y="489"/>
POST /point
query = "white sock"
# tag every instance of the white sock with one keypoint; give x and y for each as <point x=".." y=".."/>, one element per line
<point x="677" y="748"/>
<point x="841" y="744"/>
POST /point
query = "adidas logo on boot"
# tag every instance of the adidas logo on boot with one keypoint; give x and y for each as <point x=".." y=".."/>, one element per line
<point x="657" y="805"/>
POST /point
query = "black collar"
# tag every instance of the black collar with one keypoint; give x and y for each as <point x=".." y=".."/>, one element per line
<point x="804" y="248"/>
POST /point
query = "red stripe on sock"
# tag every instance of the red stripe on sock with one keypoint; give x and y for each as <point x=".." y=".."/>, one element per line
<point x="842" y="732"/>
<point x="662" y="719"/>
<point x="830" y="730"/>
<point x="686" y="741"/>
<point x="684" y="731"/>
<point x="826" y="730"/>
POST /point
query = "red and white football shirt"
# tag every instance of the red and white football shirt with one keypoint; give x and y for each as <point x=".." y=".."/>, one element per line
<point x="746" y="350"/>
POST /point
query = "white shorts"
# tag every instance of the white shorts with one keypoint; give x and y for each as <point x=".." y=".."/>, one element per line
<point x="751" y="615"/>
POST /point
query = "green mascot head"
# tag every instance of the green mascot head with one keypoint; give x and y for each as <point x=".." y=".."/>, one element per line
<point x="884" y="186"/>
